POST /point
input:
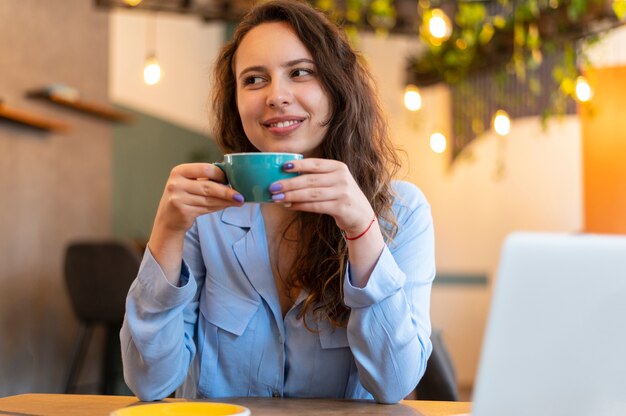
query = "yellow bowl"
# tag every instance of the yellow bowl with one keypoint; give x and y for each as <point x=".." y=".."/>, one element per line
<point x="183" y="409"/>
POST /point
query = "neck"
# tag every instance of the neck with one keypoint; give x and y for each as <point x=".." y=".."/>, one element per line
<point x="277" y="215"/>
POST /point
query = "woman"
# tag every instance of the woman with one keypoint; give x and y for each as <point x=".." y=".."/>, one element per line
<point x="323" y="293"/>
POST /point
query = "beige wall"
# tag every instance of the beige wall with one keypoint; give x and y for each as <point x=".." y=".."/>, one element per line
<point x="473" y="206"/>
<point x="185" y="48"/>
<point x="53" y="187"/>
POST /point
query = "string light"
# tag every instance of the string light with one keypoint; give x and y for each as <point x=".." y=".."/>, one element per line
<point x="584" y="92"/>
<point x="438" y="142"/>
<point x="151" y="71"/>
<point x="412" y="98"/>
<point x="439" y="25"/>
<point x="501" y="123"/>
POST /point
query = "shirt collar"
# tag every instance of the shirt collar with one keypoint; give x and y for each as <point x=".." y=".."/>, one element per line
<point x="242" y="217"/>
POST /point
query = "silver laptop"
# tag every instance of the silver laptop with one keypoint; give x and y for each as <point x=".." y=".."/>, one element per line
<point x="556" y="337"/>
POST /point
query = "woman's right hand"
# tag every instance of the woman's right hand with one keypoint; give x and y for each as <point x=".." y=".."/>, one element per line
<point x="191" y="190"/>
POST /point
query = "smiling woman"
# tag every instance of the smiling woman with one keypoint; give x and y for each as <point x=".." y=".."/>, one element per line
<point x="281" y="102"/>
<point x="323" y="292"/>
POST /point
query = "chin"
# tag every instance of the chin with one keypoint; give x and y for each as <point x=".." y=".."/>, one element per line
<point x="287" y="149"/>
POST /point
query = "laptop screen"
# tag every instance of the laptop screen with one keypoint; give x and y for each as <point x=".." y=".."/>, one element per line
<point x="556" y="336"/>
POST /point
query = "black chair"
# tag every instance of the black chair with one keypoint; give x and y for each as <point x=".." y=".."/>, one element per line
<point x="439" y="380"/>
<point x="98" y="275"/>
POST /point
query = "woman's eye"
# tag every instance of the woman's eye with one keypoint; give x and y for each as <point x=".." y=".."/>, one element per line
<point x="301" y="72"/>
<point x="251" y="80"/>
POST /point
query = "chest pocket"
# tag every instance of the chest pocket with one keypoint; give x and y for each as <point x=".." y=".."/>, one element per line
<point x="229" y="334"/>
<point x="226" y="308"/>
<point x="337" y="338"/>
<point x="336" y="362"/>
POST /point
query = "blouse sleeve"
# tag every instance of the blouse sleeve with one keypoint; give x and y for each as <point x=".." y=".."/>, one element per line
<point x="389" y="325"/>
<point x="159" y="328"/>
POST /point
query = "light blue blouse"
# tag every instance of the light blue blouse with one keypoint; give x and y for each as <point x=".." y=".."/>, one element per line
<point x="221" y="332"/>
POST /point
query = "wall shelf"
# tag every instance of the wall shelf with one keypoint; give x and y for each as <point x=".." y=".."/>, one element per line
<point x="99" y="110"/>
<point x="36" y="121"/>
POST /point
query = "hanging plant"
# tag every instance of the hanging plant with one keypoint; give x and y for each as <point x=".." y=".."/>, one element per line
<point x="513" y="38"/>
<point x="508" y="39"/>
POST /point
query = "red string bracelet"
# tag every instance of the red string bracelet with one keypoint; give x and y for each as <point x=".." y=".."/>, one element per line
<point x="363" y="233"/>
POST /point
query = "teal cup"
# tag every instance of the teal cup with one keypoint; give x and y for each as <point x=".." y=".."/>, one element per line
<point x="251" y="174"/>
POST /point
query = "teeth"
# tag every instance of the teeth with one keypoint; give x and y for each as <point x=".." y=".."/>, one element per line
<point x="282" y="124"/>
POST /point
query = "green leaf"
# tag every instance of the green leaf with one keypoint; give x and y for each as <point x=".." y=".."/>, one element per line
<point x="519" y="35"/>
<point x="533" y="6"/>
<point x="532" y="37"/>
<point x="499" y="22"/>
<point x="469" y="37"/>
<point x="471" y="15"/>
<point x="568" y="86"/>
<point x="558" y="73"/>
<point x="486" y="34"/>
<point x="353" y="11"/>
<point x="576" y="9"/>
<point x="619" y="8"/>
<point x="451" y="58"/>
<point x="325" y="4"/>
<point x="534" y="85"/>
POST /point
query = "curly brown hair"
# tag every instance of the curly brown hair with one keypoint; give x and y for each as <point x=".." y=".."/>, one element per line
<point x="357" y="135"/>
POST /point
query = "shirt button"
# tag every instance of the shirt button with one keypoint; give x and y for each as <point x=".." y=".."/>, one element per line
<point x="275" y="394"/>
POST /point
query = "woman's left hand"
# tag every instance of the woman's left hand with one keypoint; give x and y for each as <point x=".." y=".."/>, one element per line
<point x="325" y="186"/>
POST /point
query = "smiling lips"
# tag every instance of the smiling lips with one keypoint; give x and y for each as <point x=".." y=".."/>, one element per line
<point x="283" y="125"/>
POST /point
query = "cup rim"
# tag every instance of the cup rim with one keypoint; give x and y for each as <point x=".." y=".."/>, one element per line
<point x="262" y="154"/>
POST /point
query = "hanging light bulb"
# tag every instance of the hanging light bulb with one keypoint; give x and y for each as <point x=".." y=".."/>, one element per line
<point x="132" y="3"/>
<point x="412" y="98"/>
<point x="584" y="92"/>
<point x="439" y="25"/>
<point x="438" y="142"/>
<point x="151" y="70"/>
<point x="151" y="67"/>
<point x="501" y="123"/>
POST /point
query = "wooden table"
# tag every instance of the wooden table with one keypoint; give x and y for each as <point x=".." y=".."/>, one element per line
<point x="87" y="405"/>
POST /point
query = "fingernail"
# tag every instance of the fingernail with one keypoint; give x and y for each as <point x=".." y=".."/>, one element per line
<point x="275" y="187"/>
<point x="278" y="197"/>
<point x="288" y="165"/>
<point x="238" y="198"/>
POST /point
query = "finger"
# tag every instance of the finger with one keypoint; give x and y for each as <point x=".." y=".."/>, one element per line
<point x="212" y="189"/>
<point x="212" y="203"/>
<point x="320" y="207"/>
<point x="200" y="171"/>
<point x="303" y="181"/>
<point x="308" y="195"/>
<point x="313" y="165"/>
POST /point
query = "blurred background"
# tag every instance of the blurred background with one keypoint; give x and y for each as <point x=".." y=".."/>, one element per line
<point x="508" y="116"/>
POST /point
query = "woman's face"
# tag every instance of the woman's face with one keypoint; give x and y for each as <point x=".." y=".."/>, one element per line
<point x="282" y="105"/>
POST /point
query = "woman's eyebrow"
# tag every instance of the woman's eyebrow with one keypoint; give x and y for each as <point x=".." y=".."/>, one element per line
<point x="297" y="62"/>
<point x="288" y="64"/>
<point x="256" y="68"/>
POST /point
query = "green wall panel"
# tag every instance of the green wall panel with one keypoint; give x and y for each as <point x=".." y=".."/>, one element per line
<point x="144" y="152"/>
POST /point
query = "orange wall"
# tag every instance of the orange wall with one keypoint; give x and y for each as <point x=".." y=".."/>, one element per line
<point x="604" y="152"/>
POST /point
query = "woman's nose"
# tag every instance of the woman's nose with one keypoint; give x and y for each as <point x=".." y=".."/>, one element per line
<point x="279" y="95"/>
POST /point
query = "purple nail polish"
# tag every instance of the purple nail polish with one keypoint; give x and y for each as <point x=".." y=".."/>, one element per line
<point x="238" y="198"/>
<point x="278" y="197"/>
<point x="275" y="187"/>
<point x="288" y="165"/>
